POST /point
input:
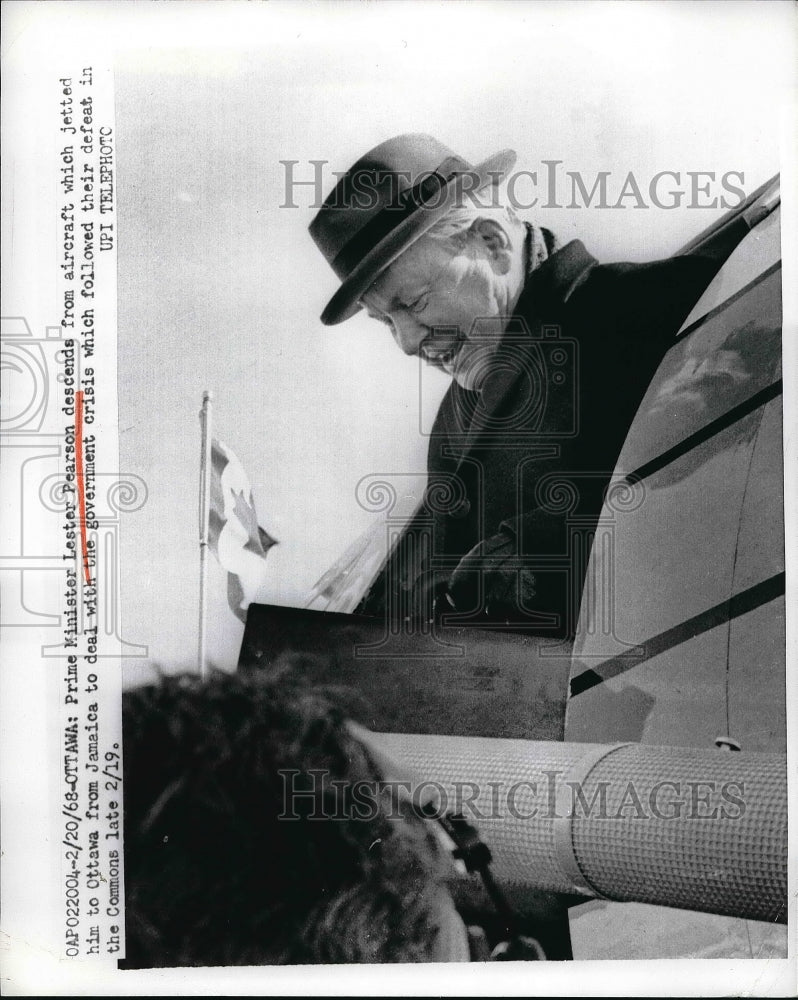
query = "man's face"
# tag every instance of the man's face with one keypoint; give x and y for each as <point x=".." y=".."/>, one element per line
<point x="432" y="296"/>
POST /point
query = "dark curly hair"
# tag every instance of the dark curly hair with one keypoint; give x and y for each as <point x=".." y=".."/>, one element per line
<point x="216" y="875"/>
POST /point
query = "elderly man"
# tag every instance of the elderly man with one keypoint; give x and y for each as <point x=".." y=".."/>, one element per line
<point x="550" y="354"/>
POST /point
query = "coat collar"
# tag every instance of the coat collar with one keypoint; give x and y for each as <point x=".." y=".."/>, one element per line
<point x="554" y="281"/>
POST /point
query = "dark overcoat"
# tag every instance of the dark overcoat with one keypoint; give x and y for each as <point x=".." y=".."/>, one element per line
<point x="519" y="468"/>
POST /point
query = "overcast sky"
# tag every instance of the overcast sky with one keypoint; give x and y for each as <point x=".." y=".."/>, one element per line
<point x="220" y="288"/>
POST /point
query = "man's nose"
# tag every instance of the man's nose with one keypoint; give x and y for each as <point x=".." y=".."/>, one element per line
<point x="407" y="333"/>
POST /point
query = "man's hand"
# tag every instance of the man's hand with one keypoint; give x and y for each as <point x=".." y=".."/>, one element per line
<point x="491" y="578"/>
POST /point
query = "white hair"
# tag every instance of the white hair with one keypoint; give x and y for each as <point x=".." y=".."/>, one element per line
<point x="490" y="203"/>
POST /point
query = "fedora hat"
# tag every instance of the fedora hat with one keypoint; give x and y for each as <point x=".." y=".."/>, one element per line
<point x="385" y="202"/>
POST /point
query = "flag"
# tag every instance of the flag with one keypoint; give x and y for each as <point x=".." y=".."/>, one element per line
<point x="234" y="535"/>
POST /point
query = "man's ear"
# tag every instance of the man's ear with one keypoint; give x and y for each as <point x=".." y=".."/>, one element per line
<point x="496" y="240"/>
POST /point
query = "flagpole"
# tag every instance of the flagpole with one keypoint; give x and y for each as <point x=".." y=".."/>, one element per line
<point x="204" y="509"/>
